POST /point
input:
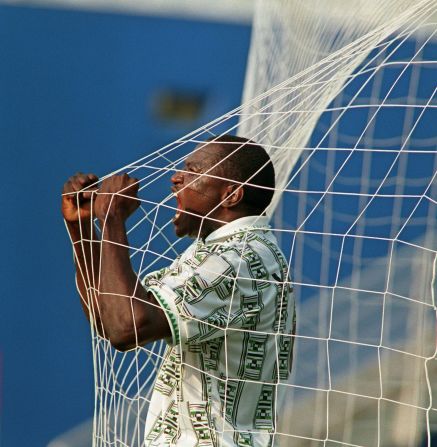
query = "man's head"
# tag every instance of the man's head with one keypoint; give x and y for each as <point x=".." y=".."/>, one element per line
<point x="225" y="178"/>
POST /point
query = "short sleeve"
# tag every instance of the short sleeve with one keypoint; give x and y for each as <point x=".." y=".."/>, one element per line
<point x="201" y="297"/>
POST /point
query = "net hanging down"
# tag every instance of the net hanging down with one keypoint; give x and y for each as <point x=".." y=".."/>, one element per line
<point x="343" y="98"/>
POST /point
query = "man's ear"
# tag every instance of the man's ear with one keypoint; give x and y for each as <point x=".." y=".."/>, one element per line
<point x="232" y="196"/>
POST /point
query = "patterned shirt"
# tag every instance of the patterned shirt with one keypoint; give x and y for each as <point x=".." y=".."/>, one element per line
<point x="230" y="307"/>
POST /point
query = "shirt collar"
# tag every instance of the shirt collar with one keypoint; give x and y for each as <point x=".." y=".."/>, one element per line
<point x="246" y="223"/>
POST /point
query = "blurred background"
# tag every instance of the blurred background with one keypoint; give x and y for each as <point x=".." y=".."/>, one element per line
<point x="92" y="85"/>
<point x="86" y="86"/>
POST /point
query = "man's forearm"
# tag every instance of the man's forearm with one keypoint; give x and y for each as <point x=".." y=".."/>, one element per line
<point x="86" y="250"/>
<point x="124" y="304"/>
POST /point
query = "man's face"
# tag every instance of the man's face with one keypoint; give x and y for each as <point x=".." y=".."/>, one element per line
<point x="198" y="196"/>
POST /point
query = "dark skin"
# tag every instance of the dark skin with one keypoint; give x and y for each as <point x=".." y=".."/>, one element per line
<point x="111" y="294"/>
<point x="78" y="214"/>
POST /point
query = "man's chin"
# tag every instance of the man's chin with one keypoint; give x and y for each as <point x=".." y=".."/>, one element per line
<point x="180" y="227"/>
<point x="184" y="226"/>
<point x="179" y="231"/>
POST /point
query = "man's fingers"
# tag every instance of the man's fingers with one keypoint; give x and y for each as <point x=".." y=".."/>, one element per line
<point x="79" y="181"/>
<point x="87" y="179"/>
<point x="93" y="177"/>
<point x="81" y="186"/>
<point x="119" y="184"/>
<point x="134" y="185"/>
<point x="88" y="194"/>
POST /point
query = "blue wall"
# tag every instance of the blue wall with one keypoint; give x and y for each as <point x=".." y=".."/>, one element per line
<point x="76" y="93"/>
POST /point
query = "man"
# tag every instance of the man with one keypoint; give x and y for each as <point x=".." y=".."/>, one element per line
<point x="225" y="306"/>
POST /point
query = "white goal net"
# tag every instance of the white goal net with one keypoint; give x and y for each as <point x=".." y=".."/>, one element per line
<point x="343" y="97"/>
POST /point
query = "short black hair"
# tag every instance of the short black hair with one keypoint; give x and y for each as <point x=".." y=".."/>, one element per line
<point x="246" y="161"/>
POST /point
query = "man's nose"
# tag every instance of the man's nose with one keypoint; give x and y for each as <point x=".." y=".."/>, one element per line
<point x="177" y="177"/>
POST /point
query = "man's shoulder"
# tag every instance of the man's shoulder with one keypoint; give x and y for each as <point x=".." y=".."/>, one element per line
<point x="260" y="244"/>
<point x="231" y="246"/>
<point x="244" y="241"/>
<point x="226" y="254"/>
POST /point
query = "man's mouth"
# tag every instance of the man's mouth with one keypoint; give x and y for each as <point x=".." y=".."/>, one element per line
<point x="179" y="208"/>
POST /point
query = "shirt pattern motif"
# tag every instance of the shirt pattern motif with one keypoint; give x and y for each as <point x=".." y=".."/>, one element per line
<point x="229" y="303"/>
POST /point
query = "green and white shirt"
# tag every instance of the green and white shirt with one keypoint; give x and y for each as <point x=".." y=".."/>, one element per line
<point x="230" y="307"/>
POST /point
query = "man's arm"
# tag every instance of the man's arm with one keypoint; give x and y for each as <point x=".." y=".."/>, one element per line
<point x="77" y="212"/>
<point x="121" y="308"/>
<point x="129" y="314"/>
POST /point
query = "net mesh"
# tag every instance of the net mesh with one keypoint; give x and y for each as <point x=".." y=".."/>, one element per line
<point x="354" y="143"/>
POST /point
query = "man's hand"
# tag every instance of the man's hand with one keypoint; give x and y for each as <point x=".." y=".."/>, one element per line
<point x="77" y="206"/>
<point x="117" y="198"/>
